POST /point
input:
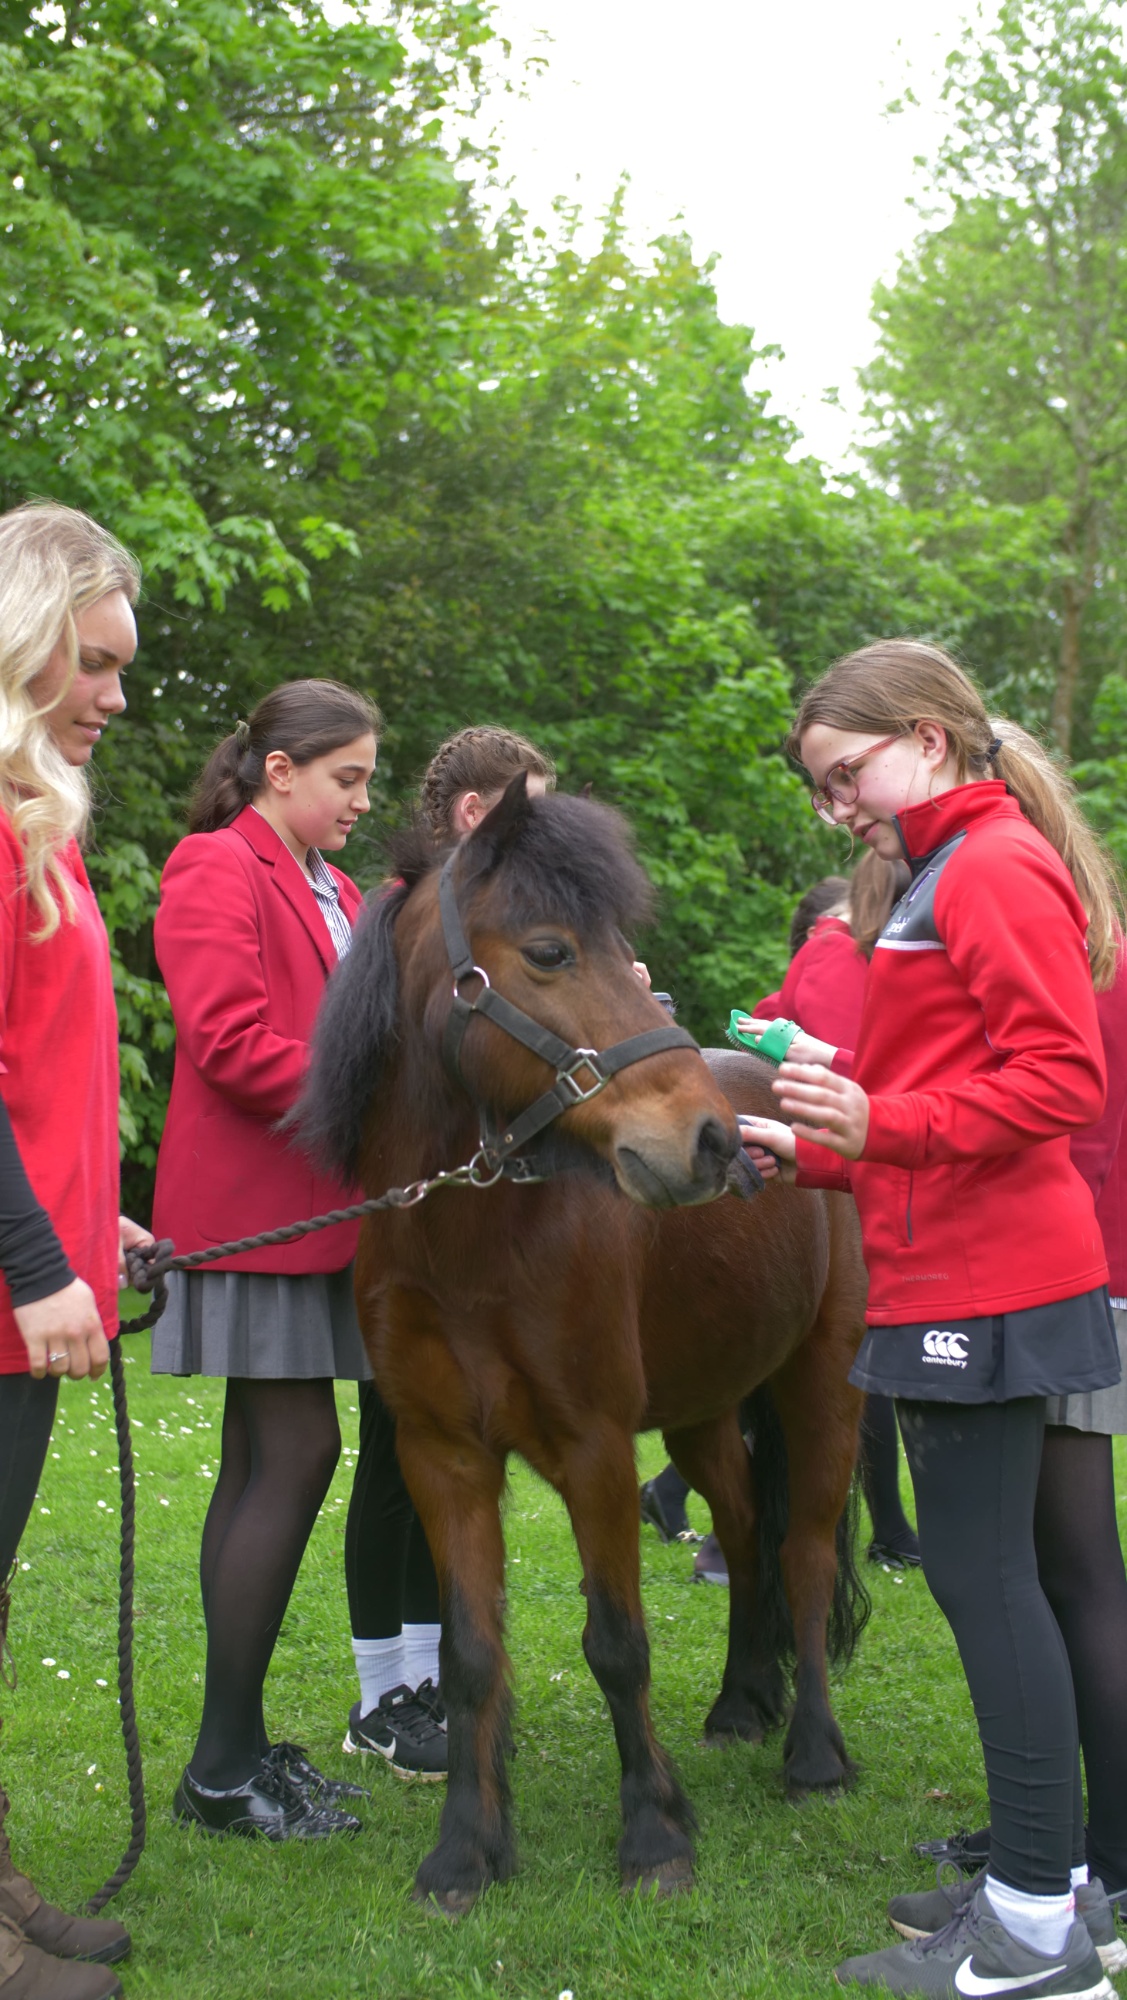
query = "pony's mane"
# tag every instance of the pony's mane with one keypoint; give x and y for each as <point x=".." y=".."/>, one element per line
<point x="564" y="859"/>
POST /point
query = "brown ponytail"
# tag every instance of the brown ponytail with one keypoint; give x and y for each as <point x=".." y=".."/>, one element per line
<point x="898" y="682"/>
<point x="306" y="719"/>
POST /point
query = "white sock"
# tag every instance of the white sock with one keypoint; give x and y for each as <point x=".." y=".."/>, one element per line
<point x="381" y="1664"/>
<point x="421" y="1646"/>
<point x="1042" y="1922"/>
<point x="1079" y="1877"/>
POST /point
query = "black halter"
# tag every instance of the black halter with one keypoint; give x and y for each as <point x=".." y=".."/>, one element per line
<point x="580" y="1073"/>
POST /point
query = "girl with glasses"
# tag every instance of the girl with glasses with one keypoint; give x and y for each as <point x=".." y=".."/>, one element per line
<point x="978" y="1054"/>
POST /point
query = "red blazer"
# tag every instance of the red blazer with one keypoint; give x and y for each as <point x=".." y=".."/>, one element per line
<point x="245" y="953"/>
<point x="58" y="1077"/>
<point x="980" y="1048"/>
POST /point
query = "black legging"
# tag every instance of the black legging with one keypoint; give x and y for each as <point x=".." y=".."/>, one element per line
<point x="975" y="1470"/>
<point x="27" y="1413"/>
<point x="281" y="1442"/>
<point x="388" y="1569"/>
<point x="1081" y="1567"/>
<point x="880" y="1476"/>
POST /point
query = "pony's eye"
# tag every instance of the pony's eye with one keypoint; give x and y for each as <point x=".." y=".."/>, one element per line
<point x="546" y="953"/>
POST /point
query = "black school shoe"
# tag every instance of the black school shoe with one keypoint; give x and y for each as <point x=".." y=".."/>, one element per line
<point x="407" y="1728"/>
<point x="976" y="1955"/>
<point x="269" y="1804"/>
<point x="291" y="1758"/>
<point x="968" y="1851"/>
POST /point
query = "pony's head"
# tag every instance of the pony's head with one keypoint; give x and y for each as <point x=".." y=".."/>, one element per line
<point x="548" y="891"/>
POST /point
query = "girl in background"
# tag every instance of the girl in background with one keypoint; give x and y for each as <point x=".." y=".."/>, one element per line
<point x="251" y="921"/>
<point x="392" y="1587"/>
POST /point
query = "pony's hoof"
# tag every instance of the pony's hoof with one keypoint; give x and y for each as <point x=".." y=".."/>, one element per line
<point x="721" y="1735"/>
<point x="828" y="1782"/>
<point x="448" y="1903"/>
<point x="667" y="1879"/>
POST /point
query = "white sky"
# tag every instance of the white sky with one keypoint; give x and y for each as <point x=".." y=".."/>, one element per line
<point x="761" y="123"/>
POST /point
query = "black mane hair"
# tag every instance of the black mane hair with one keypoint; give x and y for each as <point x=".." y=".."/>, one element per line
<point x="564" y="859"/>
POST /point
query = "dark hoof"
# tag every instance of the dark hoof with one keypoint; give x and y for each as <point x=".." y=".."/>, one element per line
<point x="667" y="1879"/>
<point x="448" y="1903"/>
<point x="736" y="1732"/>
<point x="835" y="1775"/>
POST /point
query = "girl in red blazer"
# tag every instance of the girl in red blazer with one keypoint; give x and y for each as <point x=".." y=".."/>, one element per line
<point x="979" y="1053"/>
<point x="67" y="633"/>
<point x="251" y="922"/>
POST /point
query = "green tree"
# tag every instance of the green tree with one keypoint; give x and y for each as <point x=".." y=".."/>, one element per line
<point x="1001" y="372"/>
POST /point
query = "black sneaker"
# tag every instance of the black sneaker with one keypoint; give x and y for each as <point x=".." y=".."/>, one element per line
<point x="710" y="1564"/>
<point x="407" y="1728"/>
<point x="975" y="1955"/>
<point x="292" y="1759"/>
<point x="968" y="1851"/>
<point x="269" y="1804"/>
<point x="926" y="1912"/>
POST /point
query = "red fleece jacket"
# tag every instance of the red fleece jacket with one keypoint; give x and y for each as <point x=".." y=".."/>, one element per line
<point x="1096" y="1152"/>
<point x="980" y="1050"/>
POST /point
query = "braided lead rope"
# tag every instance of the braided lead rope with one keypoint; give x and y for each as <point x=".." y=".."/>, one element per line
<point x="480" y="1172"/>
<point x="136" y="1845"/>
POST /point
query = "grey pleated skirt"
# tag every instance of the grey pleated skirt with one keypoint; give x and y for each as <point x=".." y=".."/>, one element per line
<point x="258" y="1324"/>
<point x="1103" y="1410"/>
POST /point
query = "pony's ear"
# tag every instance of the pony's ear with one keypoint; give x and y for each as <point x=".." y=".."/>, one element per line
<point x="488" y="841"/>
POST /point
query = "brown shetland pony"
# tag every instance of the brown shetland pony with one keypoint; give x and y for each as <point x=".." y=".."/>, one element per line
<point x="558" y="1320"/>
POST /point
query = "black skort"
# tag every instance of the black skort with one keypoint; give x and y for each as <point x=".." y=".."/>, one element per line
<point x="1063" y="1349"/>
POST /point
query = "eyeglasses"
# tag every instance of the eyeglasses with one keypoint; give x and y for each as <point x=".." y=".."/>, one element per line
<point x="840" y="785"/>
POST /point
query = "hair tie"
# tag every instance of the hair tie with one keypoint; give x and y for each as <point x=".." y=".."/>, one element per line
<point x="242" y="735"/>
<point x="993" y="747"/>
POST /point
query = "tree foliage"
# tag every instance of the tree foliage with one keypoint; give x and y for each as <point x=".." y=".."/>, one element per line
<point x="1000" y="381"/>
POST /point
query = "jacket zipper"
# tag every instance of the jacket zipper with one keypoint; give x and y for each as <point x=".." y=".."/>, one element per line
<point x="908" y="1209"/>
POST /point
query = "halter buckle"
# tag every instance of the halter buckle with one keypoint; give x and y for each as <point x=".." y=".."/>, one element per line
<point x="587" y="1059"/>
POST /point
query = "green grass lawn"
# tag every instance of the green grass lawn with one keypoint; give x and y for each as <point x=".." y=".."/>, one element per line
<point x="782" y="1891"/>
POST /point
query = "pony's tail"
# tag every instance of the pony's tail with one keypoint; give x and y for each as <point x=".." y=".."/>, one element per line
<point x="850" y="1608"/>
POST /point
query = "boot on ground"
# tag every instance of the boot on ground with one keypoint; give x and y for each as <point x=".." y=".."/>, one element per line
<point x="26" y="1973"/>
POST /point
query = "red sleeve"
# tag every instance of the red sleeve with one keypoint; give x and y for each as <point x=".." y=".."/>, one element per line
<point x="1094" y="1149"/>
<point x="819" y="1168"/>
<point x="825" y="987"/>
<point x="207" y="943"/>
<point x="1013" y="931"/>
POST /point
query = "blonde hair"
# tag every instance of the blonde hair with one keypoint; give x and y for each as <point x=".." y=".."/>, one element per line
<point x="896" y="683"/>
<point x="54" y="564"/>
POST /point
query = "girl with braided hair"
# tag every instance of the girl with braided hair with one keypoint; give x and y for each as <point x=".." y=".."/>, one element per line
<point x="392" y="1587"/>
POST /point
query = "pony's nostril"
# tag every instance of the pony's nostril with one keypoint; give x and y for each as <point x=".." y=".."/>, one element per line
<point x="716" y="1142"/>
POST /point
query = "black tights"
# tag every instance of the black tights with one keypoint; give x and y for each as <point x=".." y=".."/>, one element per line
<point x="27" y="1413"/>
<point x="388" y="1569"/>
<point x="281" y="1442"/>
<point x="1080" y="1562"/>
<point x="880" y="1476"/>
<point x="975" y="1470"/>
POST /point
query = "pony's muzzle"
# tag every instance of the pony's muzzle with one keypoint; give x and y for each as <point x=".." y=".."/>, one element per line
<point x="670" y="1170"/>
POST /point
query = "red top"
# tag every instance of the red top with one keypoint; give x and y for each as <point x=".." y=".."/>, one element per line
<point x="1096" y="1152"/>
<point x="825" y="984"/>
<point x="980" y="1049"/>
<point x="245" y="953"/>
<point x="58" y="1077"/>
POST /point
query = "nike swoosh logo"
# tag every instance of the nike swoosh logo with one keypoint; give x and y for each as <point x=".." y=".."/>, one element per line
<point x="970" y="1982"/>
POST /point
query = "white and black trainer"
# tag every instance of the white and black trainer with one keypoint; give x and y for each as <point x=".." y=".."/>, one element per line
<point x="407" y="1728"/>
<point x="974" y="1957"/>
<point x="921" y="1914"/>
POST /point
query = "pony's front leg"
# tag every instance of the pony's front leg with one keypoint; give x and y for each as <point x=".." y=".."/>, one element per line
<point x="600" y="1486"/>
<point x="456" y="1488"/>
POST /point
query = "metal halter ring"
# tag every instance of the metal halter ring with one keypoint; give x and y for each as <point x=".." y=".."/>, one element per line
<point x="587" y="1059"/>
<point x="477" y="971"/>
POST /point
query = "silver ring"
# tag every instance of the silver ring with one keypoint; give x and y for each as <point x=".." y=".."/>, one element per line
<point x="52" y="1358"/>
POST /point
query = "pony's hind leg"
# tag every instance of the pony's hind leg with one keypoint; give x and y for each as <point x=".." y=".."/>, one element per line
<point x="599" y="1482"/>
<point x="820" y="1415"/>
<point x="752" y="1698"/>
<point x="456" y="1487"/>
